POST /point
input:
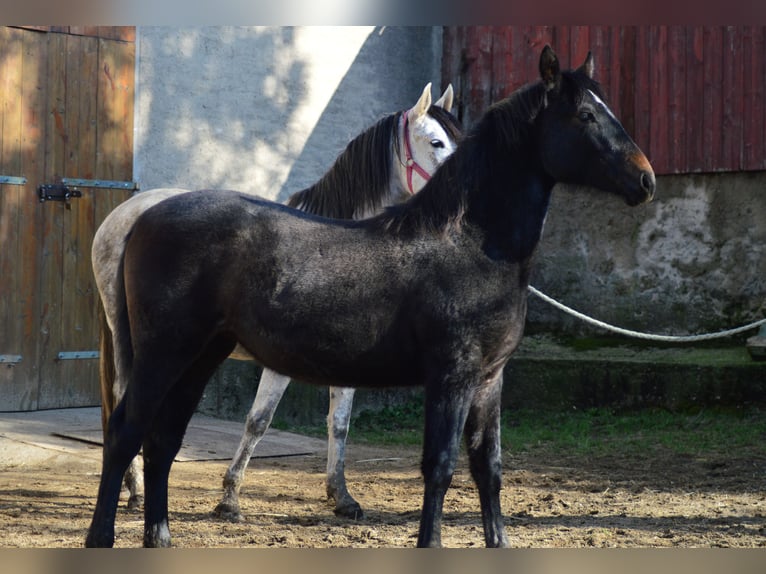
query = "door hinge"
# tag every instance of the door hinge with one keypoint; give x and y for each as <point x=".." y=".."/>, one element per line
<point x="69" y="355"/>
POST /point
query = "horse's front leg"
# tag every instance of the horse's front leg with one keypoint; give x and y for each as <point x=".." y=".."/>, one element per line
<point x="270" y="390"/>
<point x="482" y="436"/>
<point x="446" y="408"/>
<point x="338" y="418"/>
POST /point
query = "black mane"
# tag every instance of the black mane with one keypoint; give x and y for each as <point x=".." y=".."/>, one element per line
<point x="359" y="179"/>
<point x="495" y="142"/>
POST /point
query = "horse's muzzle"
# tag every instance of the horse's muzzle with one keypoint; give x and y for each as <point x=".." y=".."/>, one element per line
<point x="646" y="180"/>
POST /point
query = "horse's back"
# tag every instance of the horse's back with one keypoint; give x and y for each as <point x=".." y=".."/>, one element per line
<point x="285" y="283"/>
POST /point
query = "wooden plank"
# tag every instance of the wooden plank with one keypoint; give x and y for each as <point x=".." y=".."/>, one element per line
<point x="676" y="117"/>
<point x="627" y="79"/>
<point x="657" y="64"/>
<point x="754" y="91"/>
<point x="74" y="387"/>
<point x="712" y="104"/>
<point x="452" y="62"/>
<point x="478" y="71"/>
<point x="502" y="62"/>
<point x="121" y="33"/>
<point x="51" y="270"/>
<point x="33" y="89"/>
<point x="599" y="47"/>
<point x="561" y="41"/>
<point x="695" y="85"/>
<point x="579" y="46"/>
<point x="521" y="58"/>
<point x="13" y="388"/>
<point x="733" y="100"/>
<point x="642" y="92"/>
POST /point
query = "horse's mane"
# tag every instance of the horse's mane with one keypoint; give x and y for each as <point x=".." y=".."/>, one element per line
<point x="490" y="145"/>
<point x="360" y="177"/>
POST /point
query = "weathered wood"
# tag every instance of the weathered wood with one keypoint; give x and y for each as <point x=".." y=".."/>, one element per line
<point x="60" y="93"/>
<point x="691" y="96"/>
<point x="12" y="300"/>
<point x="754" y="91"/>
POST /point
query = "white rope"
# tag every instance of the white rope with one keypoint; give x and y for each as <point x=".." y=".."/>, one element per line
<point x="649" y="336"/>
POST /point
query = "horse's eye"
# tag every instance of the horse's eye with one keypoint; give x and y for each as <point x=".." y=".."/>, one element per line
<point x="437" y="144"/>
<point x="586" y="116"/>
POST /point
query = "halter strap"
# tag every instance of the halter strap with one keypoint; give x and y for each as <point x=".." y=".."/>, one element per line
<point x="409" y="161"/>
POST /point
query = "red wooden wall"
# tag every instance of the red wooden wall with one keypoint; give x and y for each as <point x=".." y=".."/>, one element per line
<point x="691" y="96"/>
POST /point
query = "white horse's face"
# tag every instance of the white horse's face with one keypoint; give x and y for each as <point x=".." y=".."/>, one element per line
<point x="423" y="143"/>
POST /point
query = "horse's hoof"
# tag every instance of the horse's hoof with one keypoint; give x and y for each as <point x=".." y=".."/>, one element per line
<point x="94" y="540"/>
<point x="135" y="502"/>
<point x="350" y="510"/>
<point x="228" y="511"/>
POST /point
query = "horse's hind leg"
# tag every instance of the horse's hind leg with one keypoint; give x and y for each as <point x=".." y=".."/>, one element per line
<point x="482" y="436"/>
<point x="163" y="440"/>
<point x="113" y="381"/>
<point x="270" y="390"/>
<point x="341" y="400"/>
<point x="121" y="444"/>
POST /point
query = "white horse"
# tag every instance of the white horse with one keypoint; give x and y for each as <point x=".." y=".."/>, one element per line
<point x="382" y="166"/>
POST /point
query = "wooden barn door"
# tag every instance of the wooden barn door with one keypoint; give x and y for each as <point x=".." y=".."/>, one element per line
<point x="66" y="113"/>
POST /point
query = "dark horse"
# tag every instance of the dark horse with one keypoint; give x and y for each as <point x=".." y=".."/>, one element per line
<point x="431" y="292"/>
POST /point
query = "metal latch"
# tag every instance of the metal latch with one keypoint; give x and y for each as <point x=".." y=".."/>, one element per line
<point x="67" y="189"/>
<point x="57" y="192"/>
<point x="10" y="359"/>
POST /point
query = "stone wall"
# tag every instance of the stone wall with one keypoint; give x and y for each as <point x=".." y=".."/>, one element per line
<point x="692" y="260"/>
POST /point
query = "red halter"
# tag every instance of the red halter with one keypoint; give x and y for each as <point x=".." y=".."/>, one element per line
<point x="409" y="161"/>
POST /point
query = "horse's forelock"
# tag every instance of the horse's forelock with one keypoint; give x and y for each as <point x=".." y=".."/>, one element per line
<point x="448" y="122"/>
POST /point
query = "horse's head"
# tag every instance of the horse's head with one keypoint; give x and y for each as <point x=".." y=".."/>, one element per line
<point x="581" y="141"/>
<point x="425" y="139"/>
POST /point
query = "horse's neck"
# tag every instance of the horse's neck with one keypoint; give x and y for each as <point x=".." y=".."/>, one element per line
<point x="510" y="206"/>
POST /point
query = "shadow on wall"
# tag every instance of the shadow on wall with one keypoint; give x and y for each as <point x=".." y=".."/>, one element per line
<point x="201" y="96"/>
<point x="387" y="75"/>
<point x="229" y="107"/>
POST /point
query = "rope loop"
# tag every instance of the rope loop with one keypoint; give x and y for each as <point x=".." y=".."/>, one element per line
<point x="646" y="336"/>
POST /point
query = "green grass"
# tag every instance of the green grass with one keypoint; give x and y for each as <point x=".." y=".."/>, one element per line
<point x="602" y="431"/>
<point x="590" y="432"/>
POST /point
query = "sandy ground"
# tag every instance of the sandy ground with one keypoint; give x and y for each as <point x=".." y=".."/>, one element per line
<point x="47" y="494"/>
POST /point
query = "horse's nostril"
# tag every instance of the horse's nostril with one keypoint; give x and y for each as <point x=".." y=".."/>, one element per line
<point x="648" y="182"/>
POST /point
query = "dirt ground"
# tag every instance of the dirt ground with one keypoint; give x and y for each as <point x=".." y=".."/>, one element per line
<point x="567" y="502"/>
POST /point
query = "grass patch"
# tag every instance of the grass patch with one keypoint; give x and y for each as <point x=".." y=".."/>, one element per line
<point x="604" y="432"/>
<point x="595" y="432"/>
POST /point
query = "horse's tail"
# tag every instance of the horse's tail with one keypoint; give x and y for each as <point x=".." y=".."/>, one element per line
<point x="106" y="371"/>
<point x="114" y="349"/>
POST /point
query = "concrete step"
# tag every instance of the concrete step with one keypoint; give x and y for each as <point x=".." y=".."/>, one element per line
<point x="554" y="373"/>
<point x="545" y="373"/>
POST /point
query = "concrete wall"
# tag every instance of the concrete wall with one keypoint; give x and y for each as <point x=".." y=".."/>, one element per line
<point x="268" y="109"/>
<point x="693" y="260"/>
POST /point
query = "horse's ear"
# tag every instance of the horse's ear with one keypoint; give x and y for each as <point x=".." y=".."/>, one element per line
<point x="421" y="106"/>
<point x="446" y="99"/>
<point x="587" y="66"/>
<point x="550" y="72"/>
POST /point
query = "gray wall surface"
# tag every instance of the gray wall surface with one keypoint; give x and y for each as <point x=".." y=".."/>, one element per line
<point x="267" y="110"/>
<point x="693" y="260"/>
